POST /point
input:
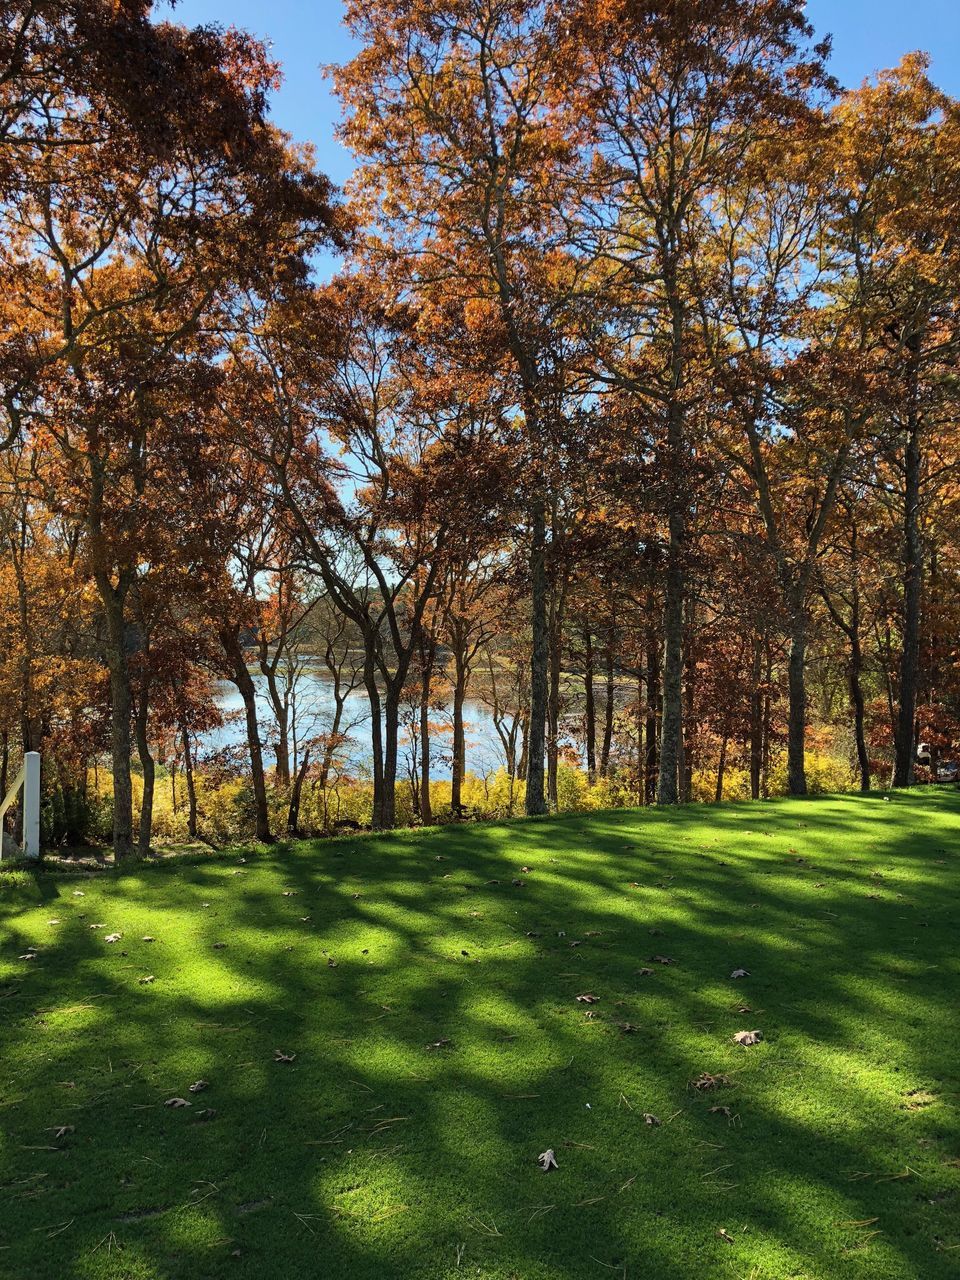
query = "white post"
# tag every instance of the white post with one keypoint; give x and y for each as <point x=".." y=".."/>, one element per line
<point x="31" y="804"/>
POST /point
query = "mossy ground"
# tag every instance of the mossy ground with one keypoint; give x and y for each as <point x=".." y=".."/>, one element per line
<point x="372" y="1154"/>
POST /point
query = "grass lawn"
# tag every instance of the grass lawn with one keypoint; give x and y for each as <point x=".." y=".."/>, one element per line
<point x="425" y="986"/>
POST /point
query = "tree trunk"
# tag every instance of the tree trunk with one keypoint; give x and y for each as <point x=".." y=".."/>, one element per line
<point x="608" y="710"/>
<point x="590" y="710"/>
<point x="721" y="765"/>
<point x="376" y="736"/>
<point x="426" y="806"/>
<point x="147" y="764"/>
<point x="688" y="735"/>
<point x="556" y="613"/>
<point x="671" y="723"/>
<point x="296" y="794"/>
<point x="391" y="731"/>
<point x="797" y="714"/>
<point x="458" y="764"/>
<point x="120" y="712"/>
<point x="241" y="678"/>
<point x="191" y="781"/>
<point x="653" y="698"/>
<point x="539" y="658"/>
<point x="905" y="745"/>
<point x="756" y="722"/>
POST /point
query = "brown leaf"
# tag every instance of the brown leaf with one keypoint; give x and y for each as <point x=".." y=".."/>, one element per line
<point x="705" y="1081"/>
<point x="748" y="1037"/>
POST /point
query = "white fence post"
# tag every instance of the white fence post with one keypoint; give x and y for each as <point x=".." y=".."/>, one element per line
<point x="31" y="804"/>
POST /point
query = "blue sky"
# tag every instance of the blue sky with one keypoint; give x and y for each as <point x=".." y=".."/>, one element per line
<point x="868" y="34"/>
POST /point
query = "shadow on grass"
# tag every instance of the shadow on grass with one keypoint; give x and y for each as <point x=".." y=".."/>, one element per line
<point x="374" y="1154"/>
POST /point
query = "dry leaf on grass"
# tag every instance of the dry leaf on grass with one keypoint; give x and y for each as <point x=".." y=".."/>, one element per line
<point x="724" y="1234"/>
<point x="705" y="1081"/>
<point x="663" y="960"/>
<point x="748" y="1037"/>
<point x="219" y="946"/>
<point x="720" y="1111"/>
<point x="61" y="1130"/>
<point x="441" y="1043"/>
<point x="177" y="1102"/>
<point x="147" y="938"/>
<point x="147" y="978"/>
<point x="280" y="1056"/>
<point x="740" y="973"/>
<point x="113" y="937"/>
<point x="199" y="1085"/>
<point x="206" y="1114"/>
<point x="547" y="1160"/>
<point x="588" y="998"/>
<point x="645" y="973"/>
<point x="627" y="1028"/>
<point x="650" y="1119"/>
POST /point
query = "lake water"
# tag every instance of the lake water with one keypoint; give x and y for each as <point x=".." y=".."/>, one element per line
<point x="314" y="713"/>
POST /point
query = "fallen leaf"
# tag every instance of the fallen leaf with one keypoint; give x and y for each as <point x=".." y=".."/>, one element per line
<point x="177" y="1102"/>
<point x="280" y="1056"/>
<point x="206" y="1114"/>
<point x="290" y="893"/>
<point x="627" y="1028"/>
<point x="720" y="1111"/>
<point x="588" y="998"/>
<point x="645" y="973"/>
<point x="441" y="1043"/>
<point x="705" y="1081"/>
<point x="724" y="1234"/>
<point x="61" y="1130"/>
<point x="547" y="1160"/>
<point x="113" y="937"/>
<point x="96" y="926"/>
<point x="740" y="973"/>
<point x="219" y="946"/>
<point x="650" y="1119"/>
<point x="53" y="922"/>
<point x="662" y="960"/>
<point x="198" y="1086"/>
<point x="521" y="884"/>
<point x="148" y="978"/>
<point x="78" y="893"/>
<point x="748" y="1037"/>
<point x="147" y="938"/>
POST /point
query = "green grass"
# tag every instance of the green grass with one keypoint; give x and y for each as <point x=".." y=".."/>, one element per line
<point x="373" y="1155"/>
